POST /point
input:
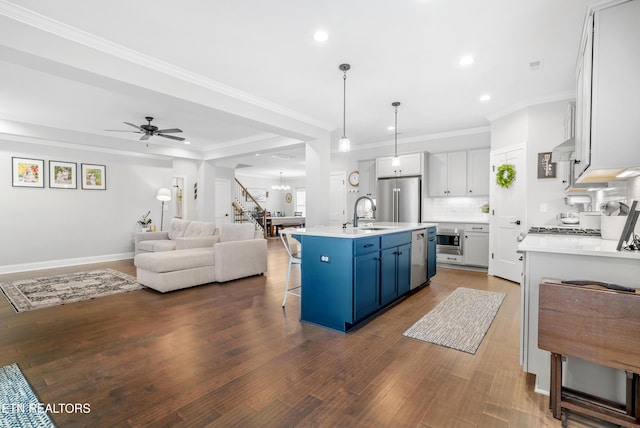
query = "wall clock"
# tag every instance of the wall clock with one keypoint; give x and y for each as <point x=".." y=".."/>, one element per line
<point x="354" y="178"/>
<point x="288" y="198"/>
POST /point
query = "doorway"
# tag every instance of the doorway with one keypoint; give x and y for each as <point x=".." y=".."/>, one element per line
<point x="338" y="198"/>
<point x="507" y="222"/>
<point x="223" y="201"/>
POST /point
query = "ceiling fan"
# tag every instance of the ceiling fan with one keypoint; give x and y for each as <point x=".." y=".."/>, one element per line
<point x="148" y="130"/>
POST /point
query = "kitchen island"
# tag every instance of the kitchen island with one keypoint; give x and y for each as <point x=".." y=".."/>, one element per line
<point x="350" y="274"/>
<point x="571" y="258"/>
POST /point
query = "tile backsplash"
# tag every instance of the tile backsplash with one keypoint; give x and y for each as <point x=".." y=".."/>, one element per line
<point x="454" y="209"/>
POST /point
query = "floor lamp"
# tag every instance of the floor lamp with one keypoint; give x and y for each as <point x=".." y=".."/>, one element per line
<point x="164" y="195"/>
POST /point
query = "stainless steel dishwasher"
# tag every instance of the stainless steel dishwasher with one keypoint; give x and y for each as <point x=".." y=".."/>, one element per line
<point x="418" y="257"/>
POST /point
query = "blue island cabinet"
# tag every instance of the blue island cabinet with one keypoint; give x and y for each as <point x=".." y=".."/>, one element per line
<point x="347" y="280"/>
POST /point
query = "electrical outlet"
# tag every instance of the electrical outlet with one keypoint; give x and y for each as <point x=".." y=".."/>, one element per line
<point x="543" y="208"/>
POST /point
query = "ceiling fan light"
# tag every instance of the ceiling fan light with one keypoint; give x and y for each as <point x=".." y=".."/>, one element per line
<point x="344" y="145"/>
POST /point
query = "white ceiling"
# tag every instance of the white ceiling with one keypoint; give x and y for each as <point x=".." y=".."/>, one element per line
<point x="246" y="76"/>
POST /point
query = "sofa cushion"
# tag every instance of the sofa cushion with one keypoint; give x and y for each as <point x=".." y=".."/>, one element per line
<point x="175" y="260"/>
<point x="199" y="228"/>
<point x="177" y="228"/>
<point x="236" y="232"/>
<point x="156" y="245"/>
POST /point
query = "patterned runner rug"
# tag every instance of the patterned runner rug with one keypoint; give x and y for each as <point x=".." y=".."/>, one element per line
<point x="36" y="293"/>
<point x="460" y="321"/>
<point x="20" y="405"/>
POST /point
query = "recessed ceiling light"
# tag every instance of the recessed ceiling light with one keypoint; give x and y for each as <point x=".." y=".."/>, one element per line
<point x="187" y="142"/>
<point x="485" y="97"/>
<point x="466" y="60"/>
<point x="320" y="36"/>
<point x="390" y="128"/>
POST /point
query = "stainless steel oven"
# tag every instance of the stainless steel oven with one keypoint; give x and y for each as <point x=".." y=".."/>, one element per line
<point x="448" y="241"/>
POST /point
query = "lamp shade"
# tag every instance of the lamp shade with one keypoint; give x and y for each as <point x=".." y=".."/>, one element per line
<point x="344" y="145"/>
<point x="164" y="195"/>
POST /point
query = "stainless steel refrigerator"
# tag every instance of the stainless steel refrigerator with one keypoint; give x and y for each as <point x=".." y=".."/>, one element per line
<point x="399" y="200"/>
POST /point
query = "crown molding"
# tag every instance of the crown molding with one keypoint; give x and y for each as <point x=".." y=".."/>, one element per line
<point x="422" y="138"/>
<point x="562" y="96"/>
<point x="52" y="26"/>
<point x="98" y="149"/>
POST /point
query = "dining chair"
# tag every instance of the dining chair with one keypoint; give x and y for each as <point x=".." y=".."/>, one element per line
<point x="294" y="251"/>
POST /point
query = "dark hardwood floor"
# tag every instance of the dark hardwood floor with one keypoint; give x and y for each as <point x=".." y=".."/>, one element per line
<point x="229" y="355"/>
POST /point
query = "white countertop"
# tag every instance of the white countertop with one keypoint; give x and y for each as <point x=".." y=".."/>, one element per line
<point x="364" y="230"/>
<point x="580" y="245"/>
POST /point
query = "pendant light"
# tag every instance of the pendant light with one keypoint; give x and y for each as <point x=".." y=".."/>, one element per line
<point x="344" y="145"/>
<point x="280" y="186"/>
<point x="396" y="160"/>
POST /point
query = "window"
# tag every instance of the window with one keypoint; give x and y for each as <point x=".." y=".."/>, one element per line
<point x="301" y="201"/>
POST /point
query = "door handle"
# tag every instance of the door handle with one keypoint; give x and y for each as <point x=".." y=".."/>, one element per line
<point x="515" y="222"/>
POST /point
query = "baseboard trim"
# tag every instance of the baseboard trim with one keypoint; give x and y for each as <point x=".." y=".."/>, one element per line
<point x="48" y="264"/>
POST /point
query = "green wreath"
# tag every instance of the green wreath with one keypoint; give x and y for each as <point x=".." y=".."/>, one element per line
<point x="505" y="175"/>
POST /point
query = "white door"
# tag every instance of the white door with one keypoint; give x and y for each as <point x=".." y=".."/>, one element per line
<point x="337" y="199"/>
<point x="223" y="201"/>
<point x="507" y="219"/>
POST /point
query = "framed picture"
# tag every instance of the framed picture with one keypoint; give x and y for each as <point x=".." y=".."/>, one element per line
<point x="260" y="195"/>
<point x="546" y="168"/>
<point x="28" y="172"/>
<point x="63" y="175"/>
<point x="94" y="177"/>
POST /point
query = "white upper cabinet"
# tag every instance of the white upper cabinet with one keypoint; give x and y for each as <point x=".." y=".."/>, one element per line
<point x="608" y="91"/>
<point x="409" y="165"/>
<point x="448" y="174"/>
<point x="478" y="172"/>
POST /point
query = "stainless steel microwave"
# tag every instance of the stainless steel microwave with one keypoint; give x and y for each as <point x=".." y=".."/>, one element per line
<point x="448" y="241"/>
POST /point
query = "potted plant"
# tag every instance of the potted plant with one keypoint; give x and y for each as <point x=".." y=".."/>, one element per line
<point x="145" y="221"/>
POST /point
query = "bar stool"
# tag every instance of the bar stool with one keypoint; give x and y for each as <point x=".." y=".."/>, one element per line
<point x="292" y="246"/>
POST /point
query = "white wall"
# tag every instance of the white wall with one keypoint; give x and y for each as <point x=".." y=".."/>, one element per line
<point x="546" y="130"/>
<point x="44" y="227"/>
<point x="542" y="128"/>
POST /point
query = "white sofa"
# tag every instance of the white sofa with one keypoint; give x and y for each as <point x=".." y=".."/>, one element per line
<point x="182" y="234"/>
<point x="241" y="251"/>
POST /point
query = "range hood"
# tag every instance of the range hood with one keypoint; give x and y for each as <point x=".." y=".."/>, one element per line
<point x="564" y="151"/>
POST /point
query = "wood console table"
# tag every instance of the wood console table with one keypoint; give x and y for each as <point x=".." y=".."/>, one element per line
<point x="596" y="325"/>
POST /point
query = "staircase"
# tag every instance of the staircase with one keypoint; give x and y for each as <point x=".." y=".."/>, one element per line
<point x="247" y="209"/>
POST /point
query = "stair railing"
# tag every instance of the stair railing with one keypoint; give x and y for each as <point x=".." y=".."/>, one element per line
<point x="247" y="208"/>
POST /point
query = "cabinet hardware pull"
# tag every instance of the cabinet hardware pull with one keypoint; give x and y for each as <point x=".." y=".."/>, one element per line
<point x="368" y="245"/>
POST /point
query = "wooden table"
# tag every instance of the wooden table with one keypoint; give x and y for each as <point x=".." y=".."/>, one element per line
<point x="280" y="222"/>
<point x="601" y="326"/>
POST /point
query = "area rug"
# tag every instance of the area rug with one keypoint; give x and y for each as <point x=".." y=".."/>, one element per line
<point x="460" y="321"/>
<point x="19" y="405"/>
<point x="36" y="293"/>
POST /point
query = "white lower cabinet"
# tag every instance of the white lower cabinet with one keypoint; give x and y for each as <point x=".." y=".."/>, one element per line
<point x="476" y="245"/>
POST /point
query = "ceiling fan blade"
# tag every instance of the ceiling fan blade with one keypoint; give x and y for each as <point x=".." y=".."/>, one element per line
<point x="168" y="131"/>
<point x="123" y="130"/>
<point x="171" y="136"/>
<point x="145" y="137"/>
<point x="135" y="126"/>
